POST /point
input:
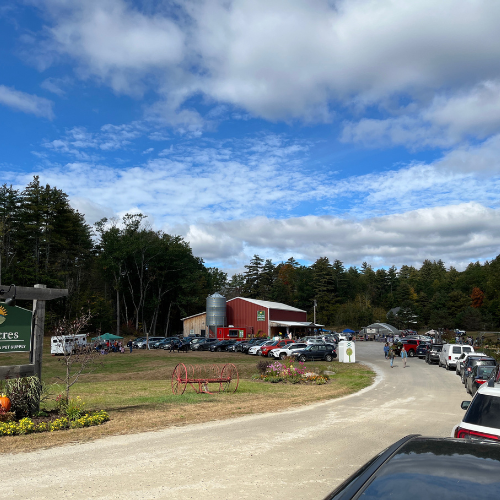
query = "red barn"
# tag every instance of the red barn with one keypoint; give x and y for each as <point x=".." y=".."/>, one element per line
<point x="255" y="318"/>
<point x="267" y="319"/>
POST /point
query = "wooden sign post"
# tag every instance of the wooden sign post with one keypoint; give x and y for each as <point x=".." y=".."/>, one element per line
<point x="38" y="294"/>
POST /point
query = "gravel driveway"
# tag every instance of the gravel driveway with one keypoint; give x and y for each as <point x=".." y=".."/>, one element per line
<point x="303" y="453"/>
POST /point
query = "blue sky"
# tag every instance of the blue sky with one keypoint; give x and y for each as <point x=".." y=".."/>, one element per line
<point x="360" y="130"/>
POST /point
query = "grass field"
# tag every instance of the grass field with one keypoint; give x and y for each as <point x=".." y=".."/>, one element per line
<point x="136" y="391"/>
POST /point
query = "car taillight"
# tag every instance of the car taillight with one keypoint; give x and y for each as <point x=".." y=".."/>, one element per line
<point x="469" y="369"/>
<point x="449" y="357"/>
<point x="468" y="434"/>
<point x="480" y="381"/>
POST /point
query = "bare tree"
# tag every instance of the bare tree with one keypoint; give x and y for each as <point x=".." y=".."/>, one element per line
<point x="78" y="360"/>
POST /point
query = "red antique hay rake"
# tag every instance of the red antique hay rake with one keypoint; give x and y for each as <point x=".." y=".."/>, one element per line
<point x="199" y="376"/>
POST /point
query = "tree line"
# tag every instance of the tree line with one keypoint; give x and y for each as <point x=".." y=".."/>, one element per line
<point x="432" y="296"/>
<point x="135" y="279"/>
<point x="132" y="278"/>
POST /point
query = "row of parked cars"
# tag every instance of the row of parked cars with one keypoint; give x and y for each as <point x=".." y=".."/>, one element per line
<point x="480" y="374"/>
<point x="466" y="465"/>
<point x="309" y="349"/>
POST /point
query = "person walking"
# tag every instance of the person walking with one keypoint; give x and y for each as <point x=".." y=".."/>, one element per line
<point x="391" y="356"/>
<point x="386" y="350"/>
<point x="130" y="346"/>
<point x="404" y="355"/>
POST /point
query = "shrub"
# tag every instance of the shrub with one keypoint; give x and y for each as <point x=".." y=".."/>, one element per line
<point x="25" y="395"/>
<point x="262" y="366"/>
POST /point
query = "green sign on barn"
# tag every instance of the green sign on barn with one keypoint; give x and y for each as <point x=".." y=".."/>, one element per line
<point x="15" y="329"/>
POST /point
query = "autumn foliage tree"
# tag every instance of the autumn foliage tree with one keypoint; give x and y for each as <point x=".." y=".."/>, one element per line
<point x="477" y="297"/>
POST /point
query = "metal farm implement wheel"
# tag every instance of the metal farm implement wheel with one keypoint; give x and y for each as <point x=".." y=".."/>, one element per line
<point x="179" y="379"/>
<point x="200" y="376"/>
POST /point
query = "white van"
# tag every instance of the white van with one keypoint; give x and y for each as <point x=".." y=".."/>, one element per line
<point x="61" y="344"/>
<point x="451" y="352"/>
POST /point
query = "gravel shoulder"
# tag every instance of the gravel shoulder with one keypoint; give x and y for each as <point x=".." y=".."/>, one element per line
<point x="306" y="451"/>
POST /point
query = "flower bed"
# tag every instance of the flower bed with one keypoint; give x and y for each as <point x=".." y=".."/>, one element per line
<point x="290" y="371"/>
<point x="28" y="426"/>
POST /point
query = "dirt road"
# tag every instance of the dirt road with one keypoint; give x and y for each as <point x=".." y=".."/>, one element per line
<point x="296" y="454"/>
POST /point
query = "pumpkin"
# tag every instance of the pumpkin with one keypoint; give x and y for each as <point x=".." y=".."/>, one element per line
<point x="5" y="402"/>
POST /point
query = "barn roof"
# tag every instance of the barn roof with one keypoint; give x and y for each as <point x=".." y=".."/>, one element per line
<point x="270" y="305"/>
<point x="193" y="316"/>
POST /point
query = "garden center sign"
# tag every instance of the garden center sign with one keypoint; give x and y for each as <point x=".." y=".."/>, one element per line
<point x="21" y="330"/>
<point x="15" y="329"/>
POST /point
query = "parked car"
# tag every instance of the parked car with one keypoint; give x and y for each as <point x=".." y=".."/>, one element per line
<point x="432" y="354"/>
<point x="266" y="349"/>
<point x="313" y="340"/>
<point x="422" y="349"/>
<point x="249" y="343"/>
<point x="232" y="348"/>
<point x="421" y="468"/>
<point x="324" y="352"/>
<point x="289" y="350"/>
<point x="135" y="343"/>
<point x="222" y="345"/>
<point x="450" y="353"/>
<point x="143" y="344"/>
<point x="482" y="418"/>
<point x="205" y="346"/>
<point x="160" y="344"/>
<point x="478" y="376"/>
<point x="255" y="349"/>
<point x="462" y="359"/>
<point x="473" y="361"/>
<point x="181" y="344"/>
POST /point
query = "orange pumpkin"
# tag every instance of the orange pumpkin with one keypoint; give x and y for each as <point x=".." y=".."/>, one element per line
<point x="5" y="402"/>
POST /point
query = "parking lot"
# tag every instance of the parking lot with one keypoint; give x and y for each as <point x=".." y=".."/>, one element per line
<point x="303" y="453"/>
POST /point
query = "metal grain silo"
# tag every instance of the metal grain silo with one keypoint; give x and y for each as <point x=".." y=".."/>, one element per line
<point x="216" y="313"/>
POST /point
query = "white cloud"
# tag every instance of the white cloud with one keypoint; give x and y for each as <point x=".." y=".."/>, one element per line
<point x="232" y="198"/>
<point x="455" y="234"/>
<point x="56" y="85"/>
<point x="110" y="137"/>
<point x="114" y="41"/>
<point x="27" y="103"/>
<point x="287" y="58"/>
<point x="447" y="121"/>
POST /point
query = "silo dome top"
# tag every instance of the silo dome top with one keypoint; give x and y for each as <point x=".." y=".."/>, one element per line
<point x="217" y="295"/>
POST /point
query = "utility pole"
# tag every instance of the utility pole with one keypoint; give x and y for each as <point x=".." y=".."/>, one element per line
<point x="315" y="304"/>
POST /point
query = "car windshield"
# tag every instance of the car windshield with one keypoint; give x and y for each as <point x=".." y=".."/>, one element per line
<point x="467" y="349"/>
<point x="457" y="349"/>
<point x="484" y="410"/>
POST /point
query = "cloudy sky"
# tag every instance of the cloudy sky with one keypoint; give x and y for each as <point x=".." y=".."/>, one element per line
<point x="352" y="129"/>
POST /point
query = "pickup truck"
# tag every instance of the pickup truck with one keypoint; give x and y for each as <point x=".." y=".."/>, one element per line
<point x="410" y="346"/>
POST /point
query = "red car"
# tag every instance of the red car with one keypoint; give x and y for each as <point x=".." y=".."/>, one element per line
<point x="265" y="350"/>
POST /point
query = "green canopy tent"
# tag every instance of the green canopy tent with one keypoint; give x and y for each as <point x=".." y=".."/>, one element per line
<point x="106" y="336"/>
